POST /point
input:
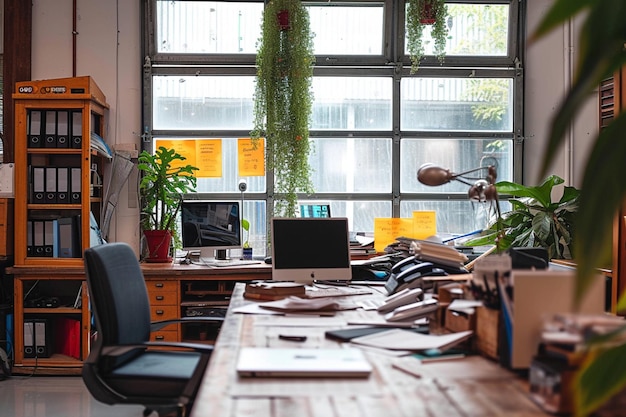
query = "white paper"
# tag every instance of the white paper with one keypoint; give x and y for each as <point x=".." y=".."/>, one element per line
<point x="399" y="339"/>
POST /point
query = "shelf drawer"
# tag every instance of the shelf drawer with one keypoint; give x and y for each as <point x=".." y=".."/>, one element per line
<point x="164" y="336"/>
<point x="164" y="312"/>
<point x="162" y="286"/>
<point x="163" y="298"/>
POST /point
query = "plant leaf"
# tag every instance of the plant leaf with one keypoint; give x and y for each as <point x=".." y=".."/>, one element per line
<point x="602" y="375"/>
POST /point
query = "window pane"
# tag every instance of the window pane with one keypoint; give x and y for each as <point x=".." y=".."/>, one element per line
<point x="457" y="155"/>
<point x="453" y="217"/>
<point x="360" y="214"/>
<point x="347" y="30"/>
<point x="473" y="30"/>
<point x="351" y="165"/>
<point x="208" y="27"/>
<point x="202" y="102"/>
<point x="228" y="182"/>
<point x="352" y="103"/>
<point x="472" y="104"/>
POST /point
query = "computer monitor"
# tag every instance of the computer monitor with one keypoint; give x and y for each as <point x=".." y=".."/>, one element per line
<point x="211" y="227"/>
<point x="308" y="249"/>
<point x="314" y="210"/>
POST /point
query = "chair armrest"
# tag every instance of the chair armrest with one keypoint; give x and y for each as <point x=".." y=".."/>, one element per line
<point x="118" y="350"/>
<point x="158" y="325"/>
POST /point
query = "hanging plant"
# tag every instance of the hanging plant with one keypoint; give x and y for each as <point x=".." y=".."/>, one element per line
<point x="283" y="99"/>
<point x="420" y="13"/>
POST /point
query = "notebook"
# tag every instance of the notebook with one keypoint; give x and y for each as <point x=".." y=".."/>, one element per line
<point x="285" y="362"/>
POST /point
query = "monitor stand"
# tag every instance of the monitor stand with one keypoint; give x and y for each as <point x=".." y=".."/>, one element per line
<point x="221" y="255"/>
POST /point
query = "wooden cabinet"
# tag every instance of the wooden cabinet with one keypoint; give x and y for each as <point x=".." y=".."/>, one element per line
<point x="57" y="195"/>
<point x="164" y="305"/>
<point x="612" y="96"/>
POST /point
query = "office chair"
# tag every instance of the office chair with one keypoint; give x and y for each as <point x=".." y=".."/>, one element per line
<point x="122" y="366"/>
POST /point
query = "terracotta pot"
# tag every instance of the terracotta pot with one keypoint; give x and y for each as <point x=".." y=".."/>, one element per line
<point x="428" y="14"/>
<point x="283" y="19"/>
<point x="158" y="245"/>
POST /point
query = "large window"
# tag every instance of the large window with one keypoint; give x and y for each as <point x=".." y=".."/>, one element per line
<point x="373" y="122"/>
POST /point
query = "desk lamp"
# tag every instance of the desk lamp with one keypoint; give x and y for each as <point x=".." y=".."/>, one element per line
<point x="481" y="189"/>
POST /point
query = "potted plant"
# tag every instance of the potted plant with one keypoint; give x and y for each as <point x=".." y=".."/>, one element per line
<point x="535" y="220"/>
<point x="163" y="181"/>
<point x="600" y="56"/>
<point x="421" y="13"/>
<point x="283" y="99"/>
<point x="247" y="249"/>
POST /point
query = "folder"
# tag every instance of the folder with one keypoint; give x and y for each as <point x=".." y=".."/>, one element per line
<point x="63" y="195"/>
<point x="63" y="129"/>
<point x="49" y="239"/>
<point x="29" y="339"/>
<point x="29" y="238"/>
<point x="38" y="238"/>
<point x="77" y="129"/>
<point x="42" y="339"/>
<point x="51" y="129"/>
<point x="34" y="129"/>
<point x="67" y="341"/>
<point x="67" y="248"/>
<point x="39" y="185"/>
<point x="51" y="185"/>
<point x="75" y="185"/>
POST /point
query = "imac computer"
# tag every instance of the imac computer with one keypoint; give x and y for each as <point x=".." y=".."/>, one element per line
<point x="211" y="227"/>
<point x="309" y="249"/>
<point x="314" y="210"/>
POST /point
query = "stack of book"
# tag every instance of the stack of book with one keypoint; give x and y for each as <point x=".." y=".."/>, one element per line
<point x="269" y="291"/>
<point x="362" y="246"/>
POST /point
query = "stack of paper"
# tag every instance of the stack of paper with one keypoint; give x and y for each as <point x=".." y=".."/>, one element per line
<point x="400" y="339"/>
<point x="307" y="305"/>
<point x="438" y="253"/>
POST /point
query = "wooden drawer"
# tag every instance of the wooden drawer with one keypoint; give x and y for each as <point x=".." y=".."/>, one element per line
<point x="161" y="286"/>
<point x="163" y="298"/>
<point x="164" y="312"/>
<point x="164" y="335"/>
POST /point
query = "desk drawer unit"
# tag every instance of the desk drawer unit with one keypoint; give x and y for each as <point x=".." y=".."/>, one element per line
<point x="164" y="305"/>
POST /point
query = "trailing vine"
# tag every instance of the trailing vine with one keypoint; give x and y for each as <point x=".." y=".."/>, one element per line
<point x="283" y="99"/>
<point x="420" y="13"/>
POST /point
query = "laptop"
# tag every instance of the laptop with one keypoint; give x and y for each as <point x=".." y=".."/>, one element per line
<point x="284" y="362"/>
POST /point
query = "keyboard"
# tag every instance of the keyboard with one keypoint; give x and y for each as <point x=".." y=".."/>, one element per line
<point x="229" y="262"/>
<point x="335" y="292"/>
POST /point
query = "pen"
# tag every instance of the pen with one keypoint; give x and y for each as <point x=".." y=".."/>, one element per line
<point x="292" y="338"/>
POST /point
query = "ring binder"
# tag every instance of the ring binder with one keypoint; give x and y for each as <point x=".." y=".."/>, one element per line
<point x="34" y="128"/>
<point x="51" y="129"/>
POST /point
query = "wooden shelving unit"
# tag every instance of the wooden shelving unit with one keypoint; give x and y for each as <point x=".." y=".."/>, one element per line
<point x="54" y="200"/>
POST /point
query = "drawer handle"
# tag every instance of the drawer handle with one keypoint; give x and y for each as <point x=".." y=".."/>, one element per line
<point x="159" y="285"/>
<point x="159" y="337"/>
<point x="159" y="297"/>
<point x="159" y="312"/>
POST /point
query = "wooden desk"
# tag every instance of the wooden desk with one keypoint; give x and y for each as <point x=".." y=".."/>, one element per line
<point x="473" y="386"/>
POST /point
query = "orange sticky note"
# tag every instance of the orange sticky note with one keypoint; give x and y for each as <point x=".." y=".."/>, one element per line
<point x="209" y="158"/>
<point x="424" y="224"/>
<point x="251" y="158"/>
<point x="387" y="229"/>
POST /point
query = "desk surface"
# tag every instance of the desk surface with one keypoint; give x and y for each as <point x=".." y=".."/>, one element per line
<point x="472" y="386"/>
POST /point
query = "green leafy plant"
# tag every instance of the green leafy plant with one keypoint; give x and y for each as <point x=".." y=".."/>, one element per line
<point x="420" y="13"/>
<point x="283" y="99"/>
<point x="245" y="225"/>
<point x="535" y="220"/>
<point x="600" y="56"/>
<point x="163" y="181"/>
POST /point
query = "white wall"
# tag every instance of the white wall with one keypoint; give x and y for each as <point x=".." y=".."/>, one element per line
<point x="115" y="63"/>
<point x="548" y="74"/>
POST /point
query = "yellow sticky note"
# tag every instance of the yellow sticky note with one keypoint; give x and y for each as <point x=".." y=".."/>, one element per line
<point x="251" y="158"/>
<point x="387" y="229"/>
<point x="424" y="224"/>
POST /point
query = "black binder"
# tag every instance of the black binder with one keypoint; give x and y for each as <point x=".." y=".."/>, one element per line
<point x="43" y="338"/>
<point x="39" y="185"/>
<point x="51" y="185"/>
<point x="30" y="251"/>
<point x="51" y="129"/>
<point x="63" y="185"/>
<point x="63" y="129"/>
<point x="29" y="339"/>
<point x="75" y="185"/>
<point x="49" y="244"/>
<point x="34" y="129"/>
<point x="38" y="238"/>
<point x="77" y="129"/>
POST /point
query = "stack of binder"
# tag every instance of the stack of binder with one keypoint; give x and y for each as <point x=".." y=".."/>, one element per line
<point x="55" y="128"/>
<point x="55" y="185"/>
